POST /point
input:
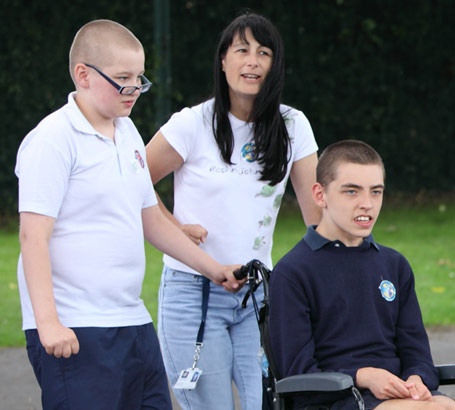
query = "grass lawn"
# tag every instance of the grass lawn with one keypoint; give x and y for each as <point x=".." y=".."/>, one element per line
<point x="424" y="234"/>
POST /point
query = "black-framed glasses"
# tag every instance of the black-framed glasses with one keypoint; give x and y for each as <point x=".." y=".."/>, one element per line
<point x="128" y="89"/>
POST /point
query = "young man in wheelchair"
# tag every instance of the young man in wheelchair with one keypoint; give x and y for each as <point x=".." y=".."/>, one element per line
<point x="341" y="302"/>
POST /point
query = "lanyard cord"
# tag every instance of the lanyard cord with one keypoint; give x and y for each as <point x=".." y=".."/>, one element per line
<point x="205" y="305"/>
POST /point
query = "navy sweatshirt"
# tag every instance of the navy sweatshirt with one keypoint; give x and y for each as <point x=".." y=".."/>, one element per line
<point x="338" y="308"/>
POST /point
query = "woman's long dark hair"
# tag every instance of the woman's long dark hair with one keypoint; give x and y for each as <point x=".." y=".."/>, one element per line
<point x="272" y="144"/>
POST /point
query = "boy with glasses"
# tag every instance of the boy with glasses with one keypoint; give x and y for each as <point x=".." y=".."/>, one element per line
<point x="86" y="202"/>
<point x="339" y="301"/>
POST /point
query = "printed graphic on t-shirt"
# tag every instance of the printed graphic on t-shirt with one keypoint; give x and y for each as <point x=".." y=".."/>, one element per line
<point x="248" y="152"/>
<point x="266" y="191"/>
<point x="265" y="221"/>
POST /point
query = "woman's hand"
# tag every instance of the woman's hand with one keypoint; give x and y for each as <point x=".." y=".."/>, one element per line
<point x="196" y="233"/>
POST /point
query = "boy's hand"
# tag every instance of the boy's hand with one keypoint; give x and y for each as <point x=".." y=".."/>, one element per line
<point x="196" y="233"/>
<point x="383" y="384"/>
<point x="418" y="391"/>
<point x="225" y="277"/>
<point x="58" y="340"/>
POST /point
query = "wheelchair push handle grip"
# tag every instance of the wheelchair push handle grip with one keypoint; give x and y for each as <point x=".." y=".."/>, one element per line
<point x="254" y="269"/>
<point x="241" y="273"/>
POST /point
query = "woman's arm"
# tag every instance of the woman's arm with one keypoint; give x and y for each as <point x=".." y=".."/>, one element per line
<point x="303" y="177"/>
<point x="163" y="159"/>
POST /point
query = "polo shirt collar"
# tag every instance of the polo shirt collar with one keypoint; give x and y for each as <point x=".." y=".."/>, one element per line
<point x="78" y="119"/>
<point x="316" y="241"/>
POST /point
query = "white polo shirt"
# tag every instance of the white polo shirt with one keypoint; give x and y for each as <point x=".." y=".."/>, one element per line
<point x="238" y="210"/>
<point x="96" y="190"/>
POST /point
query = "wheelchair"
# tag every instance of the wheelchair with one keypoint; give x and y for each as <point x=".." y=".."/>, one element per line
<point x="277" y="391"/>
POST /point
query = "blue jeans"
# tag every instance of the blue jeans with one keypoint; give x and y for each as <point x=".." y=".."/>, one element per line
<point x="231" y="342"/>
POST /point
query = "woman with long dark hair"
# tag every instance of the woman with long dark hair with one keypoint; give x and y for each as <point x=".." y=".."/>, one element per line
<point x="231" y="157"/>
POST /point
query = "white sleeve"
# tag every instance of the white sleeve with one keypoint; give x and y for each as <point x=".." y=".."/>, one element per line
<point x="300" y="133"/>
<point x="180" y="131"/>
<point x="150" y="198"/>
<point x="43" y="169"/>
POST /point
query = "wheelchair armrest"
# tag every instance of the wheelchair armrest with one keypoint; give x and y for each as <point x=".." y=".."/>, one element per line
<point x="326" y="381"/>
<point x="446" y="373"/>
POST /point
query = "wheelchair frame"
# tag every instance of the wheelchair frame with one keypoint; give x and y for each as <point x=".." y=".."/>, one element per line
<point x="256" y="273"/>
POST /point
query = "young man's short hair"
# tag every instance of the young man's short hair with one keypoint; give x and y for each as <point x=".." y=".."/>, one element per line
<point x="93" y="43"/>
<point x="351" y="151"/>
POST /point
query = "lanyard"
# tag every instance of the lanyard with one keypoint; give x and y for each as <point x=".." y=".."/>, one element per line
<point x="205" y="305"/>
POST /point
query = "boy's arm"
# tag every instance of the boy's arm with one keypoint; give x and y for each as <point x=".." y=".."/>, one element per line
<point x="35" y="234"/>
<point x="411" y="338"/>
<point x="413" y="350"/>
<point x="169" y="239"/>
<point x="291" y="333"/>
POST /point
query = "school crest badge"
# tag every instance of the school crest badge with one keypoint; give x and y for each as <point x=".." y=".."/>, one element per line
<point x="388" y="290"/>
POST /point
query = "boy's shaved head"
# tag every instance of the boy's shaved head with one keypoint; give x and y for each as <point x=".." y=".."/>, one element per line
<point x="93" y="43"/>
<point x="350" y="151"/>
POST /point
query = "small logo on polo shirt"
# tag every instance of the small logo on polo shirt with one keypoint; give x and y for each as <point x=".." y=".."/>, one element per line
<point x="249" y="152"/>
<point x="138" y="156"/>
<point x="137" y="163"/>
<point x="388" y="290"/>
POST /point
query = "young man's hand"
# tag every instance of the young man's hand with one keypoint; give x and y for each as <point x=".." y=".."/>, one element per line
<point x="418" y="391"/>
<point x="383" y="384"/>
<point x="58" y="340"/>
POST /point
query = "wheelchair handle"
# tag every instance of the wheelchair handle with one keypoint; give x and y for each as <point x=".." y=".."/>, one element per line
<point x="251" y="270"/>
<point x="241" y="273"/>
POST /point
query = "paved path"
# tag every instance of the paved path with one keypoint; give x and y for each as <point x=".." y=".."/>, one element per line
<point x="19" y="390"/>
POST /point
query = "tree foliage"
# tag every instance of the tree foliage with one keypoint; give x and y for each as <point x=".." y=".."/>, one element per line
<point x="379" y="71"/>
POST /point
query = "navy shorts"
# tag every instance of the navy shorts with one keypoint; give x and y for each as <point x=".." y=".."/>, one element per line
<point x="115" y="369"/>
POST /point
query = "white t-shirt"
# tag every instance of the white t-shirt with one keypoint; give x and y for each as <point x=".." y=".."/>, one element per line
<point x="238" y="210"/>
<point x="96" y="189"/>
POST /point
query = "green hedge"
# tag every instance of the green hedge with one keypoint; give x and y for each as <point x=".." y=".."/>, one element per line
<point x="380" y="71"/>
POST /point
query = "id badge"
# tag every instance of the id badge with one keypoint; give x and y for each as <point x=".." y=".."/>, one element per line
<point x="188" y="379"/>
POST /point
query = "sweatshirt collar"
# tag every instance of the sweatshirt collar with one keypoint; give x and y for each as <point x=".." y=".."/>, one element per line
<point x="316" y="241"/>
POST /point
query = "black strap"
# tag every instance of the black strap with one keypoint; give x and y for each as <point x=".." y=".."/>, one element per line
<point x="205" y="305"/>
